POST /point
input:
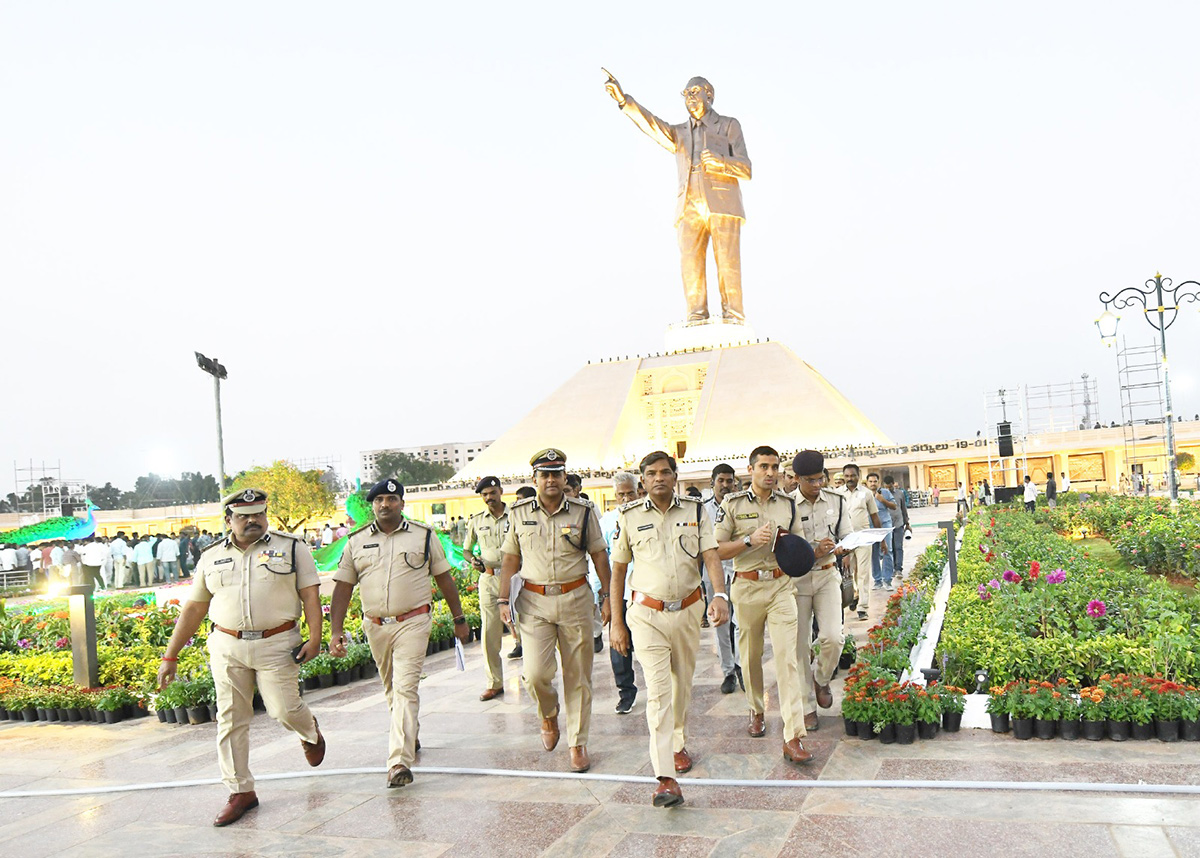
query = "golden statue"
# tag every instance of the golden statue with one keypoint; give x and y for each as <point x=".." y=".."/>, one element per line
<point x="711" y="156"/>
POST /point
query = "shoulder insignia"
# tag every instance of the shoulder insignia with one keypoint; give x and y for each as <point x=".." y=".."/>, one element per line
<point x="630" y="505"/>
<point x="284" y="534"/>
<point x="690" y="499"/>
<point x="414" y="523"/>
<point x="523" y="502"/>
<point x="744" y="493"/>
<point x="359" y="529"/>
<point x="212" y="545"/>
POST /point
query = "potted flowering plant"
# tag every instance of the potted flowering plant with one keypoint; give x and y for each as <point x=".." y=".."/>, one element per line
<point x="1117" y="697"/>
<point x="954" y="703"/>
<point x="1025" y="705"/>
<point x="1189" y="726"/>
<point x="1000" y="706"/>
<point x="1093" y="712"/>
<point x="1068" y="713"/>
<point x="1141" y="708"/>
<point x="1167" y="700"/>
<point x="927" y="709"/>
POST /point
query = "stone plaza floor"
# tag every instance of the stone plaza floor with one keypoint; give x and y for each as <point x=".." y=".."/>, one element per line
<point x="330" y="813"/>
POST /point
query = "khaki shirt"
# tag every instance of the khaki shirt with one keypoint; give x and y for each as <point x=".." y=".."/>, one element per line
<point x="256" y="589"/>
<point x="549" y="545"/>
<point x="860" y="504"/>
<point x="666" y="546"/>
<point x="741" y="514"/>
<point x="392" y="568"/>
<point x="819" y="519"/>
<point x="488" y="531"/>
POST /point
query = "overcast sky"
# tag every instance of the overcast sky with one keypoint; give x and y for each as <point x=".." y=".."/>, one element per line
<point x="375" y="213"/>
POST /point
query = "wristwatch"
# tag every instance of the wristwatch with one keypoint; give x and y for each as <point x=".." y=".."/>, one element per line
<point x="460" y="621"/>
<point x="721" y="596"/>
<point x="746" y="539"/>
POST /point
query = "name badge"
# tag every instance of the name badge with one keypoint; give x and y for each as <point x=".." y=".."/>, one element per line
<point x="223" y="560"/>
<point x="744" y="515"/>
<point x="529" y="523"/>
<point x="646" y="527"/>
<point x="371" y="545"/>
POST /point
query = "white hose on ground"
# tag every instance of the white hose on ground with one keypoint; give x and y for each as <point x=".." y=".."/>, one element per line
<point x="1030" y="786"/>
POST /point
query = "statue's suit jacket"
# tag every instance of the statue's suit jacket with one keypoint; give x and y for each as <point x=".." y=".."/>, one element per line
<point x="721" y="135"/>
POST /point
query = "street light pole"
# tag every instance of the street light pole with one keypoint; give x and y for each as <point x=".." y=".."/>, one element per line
<point x="214" y="368"/>
<point x="1161" y="316"/>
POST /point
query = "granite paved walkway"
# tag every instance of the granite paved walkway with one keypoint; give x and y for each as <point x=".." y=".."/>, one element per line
<point x="444" y="814"/>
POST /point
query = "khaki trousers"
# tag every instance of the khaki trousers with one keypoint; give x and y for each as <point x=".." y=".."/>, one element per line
<point x="492" y="630"/>
<point x="666" y="643"/>
<point x="818" y="593"/>
<point x="564" y="622"/>
<point x="146" y="571"/>
<point x="399" y="651"/>
<point x="770" y="605"/>
<point x="862" y="576"/>
<point x="238" y="665"/>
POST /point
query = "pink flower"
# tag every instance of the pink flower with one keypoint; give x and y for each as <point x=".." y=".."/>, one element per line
<point x="1011" y="576"/>
<point x="1056" y="577"/>
<point x="984" y="593"/>
<point x="1096" y="608"/>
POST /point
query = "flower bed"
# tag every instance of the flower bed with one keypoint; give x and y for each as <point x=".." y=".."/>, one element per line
<point x="1146" y="531"/>
<point x="1119" y="707"/>
<point x="1031" y="603"/>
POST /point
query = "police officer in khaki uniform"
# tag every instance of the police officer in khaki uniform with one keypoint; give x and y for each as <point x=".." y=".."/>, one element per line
<point x="254" y="583"/>
<point x="823" y="520"/>
<point x="391" y="559"/>
<point x="863" y="513"/>
<point x="746" y="528"/>
<point x="487" y="530"/>
<point x="666" y="537"/>
<point x="549" y="539"/>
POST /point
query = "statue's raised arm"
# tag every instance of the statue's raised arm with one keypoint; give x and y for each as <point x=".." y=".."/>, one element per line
<point x="711" y="157"/>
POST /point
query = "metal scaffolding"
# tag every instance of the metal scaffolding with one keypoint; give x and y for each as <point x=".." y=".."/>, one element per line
<point x="1064" y="407"/>
<point x="1143" y="410"/>
<point x="42" y="491"/>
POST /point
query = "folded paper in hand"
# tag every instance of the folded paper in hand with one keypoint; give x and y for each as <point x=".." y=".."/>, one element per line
<point x="860" y="538"/>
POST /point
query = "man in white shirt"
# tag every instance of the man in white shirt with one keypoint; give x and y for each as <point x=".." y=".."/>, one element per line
<point x="327" y="535"/>
<point x="625" y="490"/>
<point x="168" y="555"/>
<point x="1066" y="482"/>
<point x="143" y="559"/>
<point x="1031" y="493"/>
<point x="118" y="549"/>
<point x="93" y="555"/>
<point x="8" y="558"/>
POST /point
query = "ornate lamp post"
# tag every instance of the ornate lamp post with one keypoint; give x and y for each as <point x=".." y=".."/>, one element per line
<point x="1153" y="298"/>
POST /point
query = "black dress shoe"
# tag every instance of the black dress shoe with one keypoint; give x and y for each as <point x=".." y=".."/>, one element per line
<point x="741" y="684"/>
<point x="730" y="684"/>
<point x="598" y="643"/>
<point x="516" y="652"/>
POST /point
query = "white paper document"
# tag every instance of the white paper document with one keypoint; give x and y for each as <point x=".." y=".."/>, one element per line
<point x="460" y="660"/>
<point x="859" y="538"/>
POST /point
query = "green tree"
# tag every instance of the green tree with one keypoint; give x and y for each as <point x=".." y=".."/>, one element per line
<point x="195" y="488"/>
<point x="106" y="497"/>
<point x="1185" y="461"/>
<point x="296" y="497"/>
<point x="410" y="470"/>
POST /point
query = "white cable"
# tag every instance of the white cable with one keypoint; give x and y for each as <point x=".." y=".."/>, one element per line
<point x="1031" y="786"/>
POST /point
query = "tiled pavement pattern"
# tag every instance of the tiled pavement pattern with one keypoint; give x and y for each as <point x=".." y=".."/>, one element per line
<point x="498" y="816"/>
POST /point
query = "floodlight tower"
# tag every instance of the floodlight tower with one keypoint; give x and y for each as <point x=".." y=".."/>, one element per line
<point x="214" y="368"/>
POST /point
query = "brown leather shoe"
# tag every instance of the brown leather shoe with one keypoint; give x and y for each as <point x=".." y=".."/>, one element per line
<point x="579" y="758"/>
<point x="550" y="732"/>
<point x="810" y="721"/>
<point x="667" y="793"/>
<point x="234" y="809"/>
<point x="314" y="752"/>
<point x="491" y="694"/>
<point x="794" y="752"/>
<point x="399" y="775"/>
<point x="683" y="762"/>
<point x="756" y="727"/>
<point x="824" y="696"/>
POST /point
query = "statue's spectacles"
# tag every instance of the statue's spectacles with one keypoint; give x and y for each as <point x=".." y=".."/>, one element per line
<point x="694" y="92"/>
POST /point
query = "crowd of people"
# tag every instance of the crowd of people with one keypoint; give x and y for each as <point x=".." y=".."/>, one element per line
<point x="109" y="563"/>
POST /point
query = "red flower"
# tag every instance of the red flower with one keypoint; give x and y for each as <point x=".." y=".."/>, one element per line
<point x="1034" y="568"/>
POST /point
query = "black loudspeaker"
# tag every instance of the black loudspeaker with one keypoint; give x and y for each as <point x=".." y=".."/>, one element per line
<point x="1004" y="438"/>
